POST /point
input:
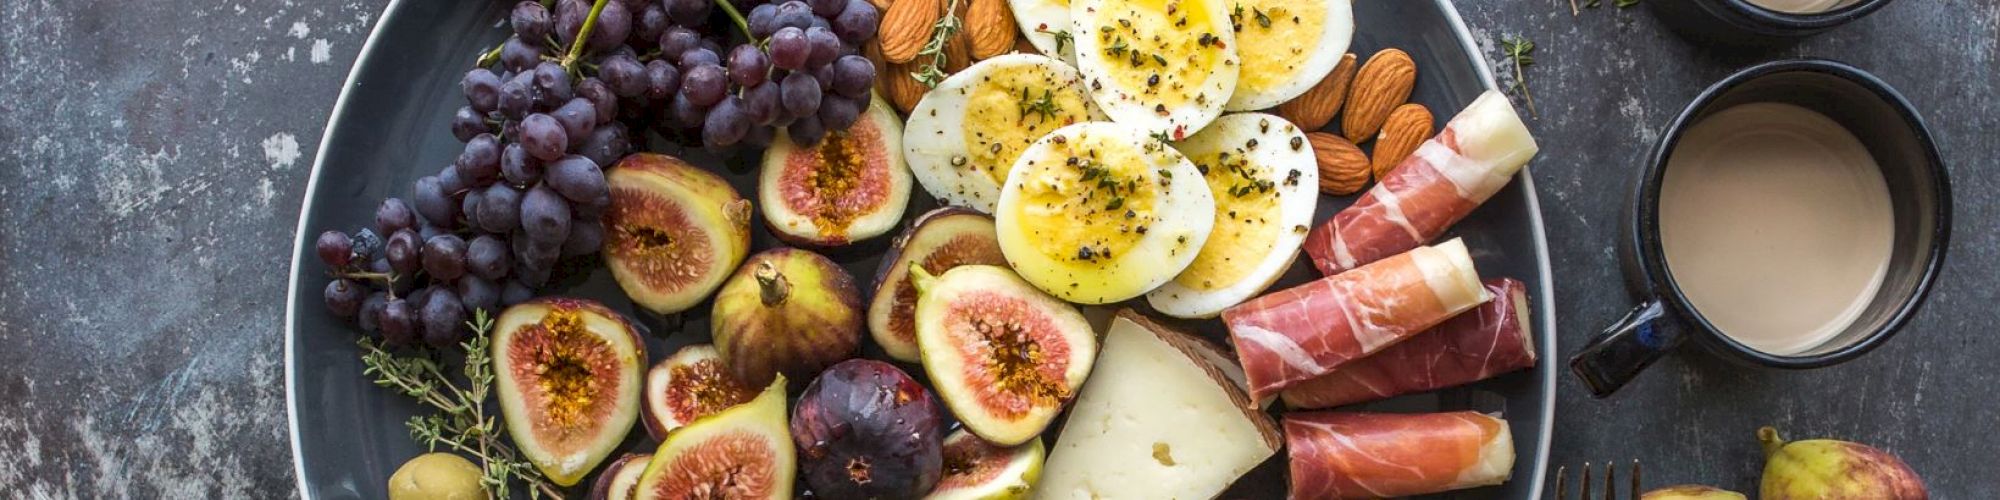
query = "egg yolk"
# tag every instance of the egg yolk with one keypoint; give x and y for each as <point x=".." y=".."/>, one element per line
<point x="1089" y="199"/>
<point x="1162" y="49"/>
<point x="1246" y="221"/>
<point x="1274" y="37"/>
<point x="1008" y="110"/>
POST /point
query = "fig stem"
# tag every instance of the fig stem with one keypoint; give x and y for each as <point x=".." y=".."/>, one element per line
<point x="1768" y="436"/>
<point x="772" y="286"/>
<point x="920" y="278"/>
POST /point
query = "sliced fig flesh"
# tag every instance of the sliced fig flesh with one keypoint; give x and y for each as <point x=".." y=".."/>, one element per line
<point x="975" y="469"/>
<point x="620" y="480"/>
<point x="567" y="375"/>
<point x="786" y="311"/>
<point x="938" y="241"/>
<point x="673" y="231"/>
<point x="1004" y="356"/>
<point x="744" y="452"/>
<point x="852" y="186"/>
<point x="690" y="385"/>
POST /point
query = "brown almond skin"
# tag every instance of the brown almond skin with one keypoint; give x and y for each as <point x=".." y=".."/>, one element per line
<point x="958" y="50"/>
<point x="990" y="23"/>
<point x="1407" y="128"/>
<point x="882" y="5"/>
<point x="1022" y="45"/>
<point x="1343" y="168"/>
<point x="1381" y="84"/>
<point x="904" y="90"/>
<point x="1313" y="109"/>
<point x="905" y="28"/>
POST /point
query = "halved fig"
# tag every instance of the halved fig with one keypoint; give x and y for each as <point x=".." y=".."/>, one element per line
<point x="743" y="452"/>
<point x="786" y="311"/>
<point x="673" y="231"/>
<point x="850" y="187"/>
<point x="978" y="470"/>
<point x="865" y="429"/>
<point x="1004" y="356"/>
<point x="620" y="480"/>
<point x="939" y="240"/>
<point x="690" y="385"/>
<point x="567" y="374"/>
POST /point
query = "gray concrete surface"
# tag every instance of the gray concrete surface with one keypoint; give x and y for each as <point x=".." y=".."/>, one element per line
<point x="153" y="155"/>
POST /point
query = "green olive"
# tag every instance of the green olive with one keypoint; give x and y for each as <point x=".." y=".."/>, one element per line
<point x="436" y="476"/>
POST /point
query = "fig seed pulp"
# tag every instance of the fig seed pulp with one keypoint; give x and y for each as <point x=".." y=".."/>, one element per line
<point x="563" y="365"/>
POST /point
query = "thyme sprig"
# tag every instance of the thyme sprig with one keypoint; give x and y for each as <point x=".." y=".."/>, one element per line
<point x="1520" y="51"/>
<point x="1045" y="105"/>
<point x="1592" y="4"/>
<point x="461" y="423"/>
<point x="947" y="26"/>
<point x="1063" y="38"/>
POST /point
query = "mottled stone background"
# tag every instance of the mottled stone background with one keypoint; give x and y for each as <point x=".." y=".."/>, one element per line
<point x="153" y="155"/>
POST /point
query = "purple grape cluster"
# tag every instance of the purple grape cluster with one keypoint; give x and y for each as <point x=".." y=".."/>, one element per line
<point x="527" y="190"/>
<point x="792" y="65"/>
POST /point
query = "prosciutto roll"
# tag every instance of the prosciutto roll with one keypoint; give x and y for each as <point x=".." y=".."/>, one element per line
<point x="1309" y="330"/>
<point x="1489" y="340"/>
<point x="1382" y="455"/>
<point x="1448" y="176"/>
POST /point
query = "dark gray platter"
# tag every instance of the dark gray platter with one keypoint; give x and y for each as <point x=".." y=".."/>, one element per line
<point x="389" y="127"/>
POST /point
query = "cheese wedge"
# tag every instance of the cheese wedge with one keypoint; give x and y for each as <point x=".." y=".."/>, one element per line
<point x="1158" y="419"/>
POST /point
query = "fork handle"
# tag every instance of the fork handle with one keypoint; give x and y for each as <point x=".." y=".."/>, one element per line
<point x="1627" y="347"/>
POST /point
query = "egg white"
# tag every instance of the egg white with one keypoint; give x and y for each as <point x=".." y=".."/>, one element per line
<point x="1336" y="31"/>
<point x="1275" y="151"/>
<point x="1135" y="102"/>
<point x="935" y="139"/>
<point x="1041" y="21"/>
<point x="1181" y="213"/>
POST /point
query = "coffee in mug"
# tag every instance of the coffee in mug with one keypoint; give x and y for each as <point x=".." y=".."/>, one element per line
<point x="1776" y="224"/>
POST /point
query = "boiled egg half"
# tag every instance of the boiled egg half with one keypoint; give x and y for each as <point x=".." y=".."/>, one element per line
<point x="1101" y="212"/>
<point x="1046" y="24"/>
<point x="1265" y="182"/>
<point x="1163" y="66"/>
<point x="965" y="135"/>
<point x="1287" y="46"/>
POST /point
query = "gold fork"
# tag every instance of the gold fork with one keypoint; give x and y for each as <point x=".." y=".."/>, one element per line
<point x="1610" y="484"/>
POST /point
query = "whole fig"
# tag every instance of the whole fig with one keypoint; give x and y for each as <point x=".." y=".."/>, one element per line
<point x="1820" y="469"/>
<point x="1691" y="492"/>
<point x="865" y="429"/>
<point x="786" y="311"/>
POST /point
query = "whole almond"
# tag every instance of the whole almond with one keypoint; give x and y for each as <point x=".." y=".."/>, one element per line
<point x="1022" y="45"/>
<point x="1313" y="109"/>
<point x="991" y="26"/>
<point x="1382" y="84"/>
<point x="1406" y="129"/>
<point x="1343" y="168"/>
<point x="958" y="50"/>
<point x="906" y="27"/>
<point x="902" y="89"/>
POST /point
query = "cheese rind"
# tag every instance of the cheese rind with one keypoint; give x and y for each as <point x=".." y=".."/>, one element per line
<point x="1156" y="420"/>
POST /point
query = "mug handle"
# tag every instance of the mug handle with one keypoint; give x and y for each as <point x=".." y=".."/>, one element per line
<point x="1625" y="348"/>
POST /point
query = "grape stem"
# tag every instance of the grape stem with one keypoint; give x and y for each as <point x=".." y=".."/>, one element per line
<point x="582" y="37"/>
<point x="741" y="24"/>
<point x="487" y="58"/>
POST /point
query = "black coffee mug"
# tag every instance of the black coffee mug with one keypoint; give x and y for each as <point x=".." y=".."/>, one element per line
<point x="1919" y="195"/>
<point x="1740" y="22"/>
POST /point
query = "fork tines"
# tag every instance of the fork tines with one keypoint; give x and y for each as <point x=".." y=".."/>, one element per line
<point x="1610" y="484"/>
